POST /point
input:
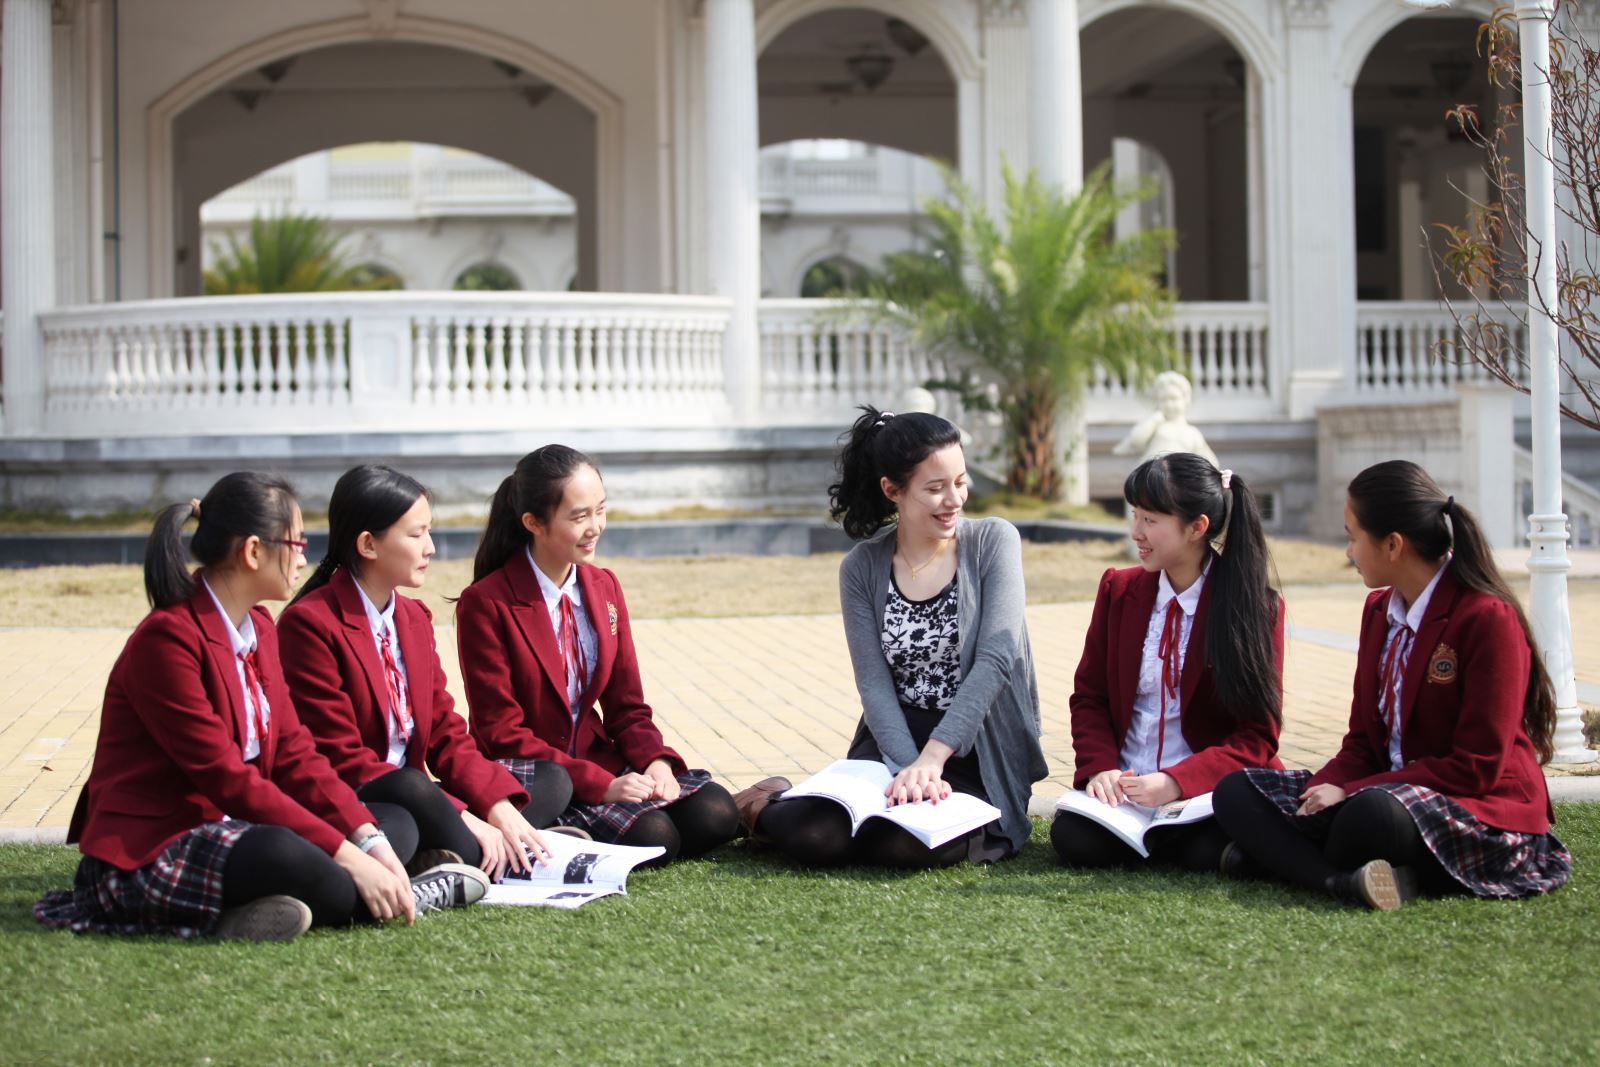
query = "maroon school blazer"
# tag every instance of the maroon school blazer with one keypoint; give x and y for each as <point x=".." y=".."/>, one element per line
<point x="1108" y="678"/>
<point x="517" y="682"/>
<point x="336" y="676"/>
<point x="170" y="754"/>
<point x="1461" y="731"/>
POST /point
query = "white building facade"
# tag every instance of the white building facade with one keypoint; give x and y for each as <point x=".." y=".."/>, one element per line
<point x="1305" y="142"/>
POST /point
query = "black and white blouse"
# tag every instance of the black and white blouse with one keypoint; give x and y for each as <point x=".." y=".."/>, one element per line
<point x="922" y="644"/>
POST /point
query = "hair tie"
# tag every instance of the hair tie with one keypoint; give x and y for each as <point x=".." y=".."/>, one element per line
<point x="194" y="507"/>
<point x="1227" y="480"/>
<point x="1449" y="502"/>
<point x="883" y="417"/>
<point x="327" y="565"/>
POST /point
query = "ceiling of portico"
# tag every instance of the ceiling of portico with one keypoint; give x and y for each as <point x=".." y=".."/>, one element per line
<point x="1166" y="54"/>
<point x="385" y="69"/>
<point x="811" y="58"/>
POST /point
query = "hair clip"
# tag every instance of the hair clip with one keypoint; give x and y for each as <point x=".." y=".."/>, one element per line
<point x="883" y="417"/>
<point x="1227" y="480"/>
<point x="194" y="507"/>
<point x="1449" y="503"/>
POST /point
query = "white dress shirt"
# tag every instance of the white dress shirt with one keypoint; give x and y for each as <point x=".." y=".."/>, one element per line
<point x="588" y="640"/>
<point x="243" y="640"/>
<point x="1144" y="737"/>
<point x="382" y="622"/>
<point x="1403" y="624"/>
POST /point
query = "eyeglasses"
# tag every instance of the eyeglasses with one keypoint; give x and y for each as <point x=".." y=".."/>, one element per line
<point x="298" y="546"/>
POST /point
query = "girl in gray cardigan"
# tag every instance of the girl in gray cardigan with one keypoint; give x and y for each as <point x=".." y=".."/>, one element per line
<point x="933" y="614"/>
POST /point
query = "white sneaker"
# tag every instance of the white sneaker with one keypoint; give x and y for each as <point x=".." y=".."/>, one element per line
<point x="449" y="885"/>
<point x="274" y="918"/>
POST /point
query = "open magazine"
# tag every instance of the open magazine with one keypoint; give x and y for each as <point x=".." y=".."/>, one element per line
<point x="578" y="872"/>
<point x="858" y="785"/>
<point x="1131" y="821"/>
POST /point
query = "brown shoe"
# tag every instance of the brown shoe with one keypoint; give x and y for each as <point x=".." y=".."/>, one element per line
<point x="752" y="801"/>
<point x="429" y="858"/>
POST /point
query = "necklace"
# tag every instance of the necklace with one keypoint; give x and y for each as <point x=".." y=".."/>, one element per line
<point x="914" y="568"/>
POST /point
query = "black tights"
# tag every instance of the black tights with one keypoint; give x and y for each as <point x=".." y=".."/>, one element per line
<point x="690" y="826"/>
<point x="268" y="860"/>
<point x="1082" y="842"/>
<point x="1309" y="850"/>
<point x="412" y="809"/>
<point x="815" y="832"/>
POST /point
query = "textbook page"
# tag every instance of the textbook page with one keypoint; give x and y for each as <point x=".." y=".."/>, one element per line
<point x="578" y="872"/>
<point x="858" y="785"/>
<point x="1130" y="821"/>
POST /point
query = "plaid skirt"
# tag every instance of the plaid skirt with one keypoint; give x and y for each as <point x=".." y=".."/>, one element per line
<point x="607" y="822"/>
<point x="177" y="893"/>
<point x="1487" y="862"/>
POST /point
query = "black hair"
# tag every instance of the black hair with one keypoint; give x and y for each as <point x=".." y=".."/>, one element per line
<point x="534" y="488"/>
<point x="366" y="499"/>
<point x="881" y="444"/>
<point x="1243" y="611"/>
<point x="241" y="505"/>
<point x="1399" y="497"/>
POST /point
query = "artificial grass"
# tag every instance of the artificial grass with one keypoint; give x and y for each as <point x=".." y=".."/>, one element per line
<point x="736" y="958"/>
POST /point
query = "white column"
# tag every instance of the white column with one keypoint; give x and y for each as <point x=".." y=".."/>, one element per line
<point x="1255" y="186"/>
<point x="1315" y="319"/>
<point x="732" y="191"/>
<point x="27" y="207"/>
<point x="1547" y="526"/>
<point x="1056" y="92"/>
<point x="1007" y="101"/>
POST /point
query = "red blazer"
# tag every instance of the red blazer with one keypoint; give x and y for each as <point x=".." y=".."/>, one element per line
<point x="170" y="754"/>
<point x="1461" y="730"/>
<point x="337" y="680"/>
<point x="1108" y="678"/>
<point x="517" y="683"/>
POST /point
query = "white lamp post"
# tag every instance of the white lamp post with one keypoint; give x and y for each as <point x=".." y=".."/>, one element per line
<point x="1547" y="526"/>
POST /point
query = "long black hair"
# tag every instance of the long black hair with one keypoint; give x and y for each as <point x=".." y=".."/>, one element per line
<point x="366" y="499"/>
<point x="535" y="488"/>
<point x="1243" y="611"/>
<point x="241" y="505"/>
<point x="1399" y="497"/>
<point x="881" y="444"/>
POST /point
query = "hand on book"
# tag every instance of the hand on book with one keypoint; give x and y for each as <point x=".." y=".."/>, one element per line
<point x="1105" y="787"/>
<point x="916" y="783"/>
<point x="508" y="840"/>
<point x="1151" y="790"/>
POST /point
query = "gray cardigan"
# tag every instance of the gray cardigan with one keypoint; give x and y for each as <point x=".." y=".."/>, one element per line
<point x="996" y="708"/>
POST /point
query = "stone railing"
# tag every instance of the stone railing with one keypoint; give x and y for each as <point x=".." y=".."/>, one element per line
<point x="326" y="362"/>
<point x="1580" y="502"/>
<point x="1222" y="348"/>
<point x="1397" y="350"/>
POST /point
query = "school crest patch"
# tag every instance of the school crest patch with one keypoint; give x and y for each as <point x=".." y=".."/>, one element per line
<point x="611" y="614"/>
<point x="1442" y="666"/>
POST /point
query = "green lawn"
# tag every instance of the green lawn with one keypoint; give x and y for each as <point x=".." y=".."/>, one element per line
<point x="736" y="959"/>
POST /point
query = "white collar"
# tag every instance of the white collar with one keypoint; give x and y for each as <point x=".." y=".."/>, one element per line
<point x="242" y="638"/>
<point x="1400" y="615"/>
<point x="378" y="620"/>
<point x="547" y="588"/>
<point x="1188" y="600"/>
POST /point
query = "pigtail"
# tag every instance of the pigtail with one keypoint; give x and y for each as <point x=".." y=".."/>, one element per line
<point x="166" y="562"/>
<point x="1244" y="613"/>
<point x="856" y="500"/>
<point x="503" y="534"/>
<point x="319" y="578"/>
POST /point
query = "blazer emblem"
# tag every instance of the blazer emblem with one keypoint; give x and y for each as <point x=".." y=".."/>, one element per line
<point x="611" y="616"/>
<point x="1442" y="666"/>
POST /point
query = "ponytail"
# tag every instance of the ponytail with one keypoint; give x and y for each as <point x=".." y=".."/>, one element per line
<point x="534" y="488"/>
<point x="878" y="445"/>
<point x="1243" y="612"/>
<point x="239" y="506"/>
<point x="1399" y="497"/>
<point x="366" y="499"/>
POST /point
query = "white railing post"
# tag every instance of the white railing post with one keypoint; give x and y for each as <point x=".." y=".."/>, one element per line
<point x="380" y="357"/>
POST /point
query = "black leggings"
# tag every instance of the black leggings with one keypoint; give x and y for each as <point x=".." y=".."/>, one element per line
<point x="412" y="809"/>
<point x="1082" y="842"/>
<point x="690" y="826"/>
<point x="1308" y="851"/>
<point x="268" y="860"/>
<point x="815" y="832"/>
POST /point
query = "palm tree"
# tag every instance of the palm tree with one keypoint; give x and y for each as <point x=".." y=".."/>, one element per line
<point x="1034" y="308"/>
<point x="288" y="253"/>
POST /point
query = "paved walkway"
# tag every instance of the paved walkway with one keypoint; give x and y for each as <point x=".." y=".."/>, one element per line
<point x="744" y="697"/>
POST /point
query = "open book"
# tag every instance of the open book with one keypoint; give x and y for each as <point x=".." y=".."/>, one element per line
<point x="1131" y="821"/>
<point x="578" y="872"/>
<point x="858" y="785"/>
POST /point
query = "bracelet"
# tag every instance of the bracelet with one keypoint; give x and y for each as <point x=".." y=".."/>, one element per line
<point x="372" y="841"/>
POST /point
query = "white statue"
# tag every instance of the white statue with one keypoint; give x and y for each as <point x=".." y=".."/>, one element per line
<point x="1167" y="429"/>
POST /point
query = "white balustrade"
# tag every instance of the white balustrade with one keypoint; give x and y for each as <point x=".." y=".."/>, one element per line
<point x="1405" y="350"/>
<point x="330" y="361"/>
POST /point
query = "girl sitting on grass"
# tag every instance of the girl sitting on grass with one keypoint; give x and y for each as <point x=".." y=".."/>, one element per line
<point x="933" y="614"/>
<point x="551" y="675"/>
<point x="1181" y="678"/>
<point x="1437" y="785"/>
<point x="366" y="678"/>
<point x="208" y="809"/>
